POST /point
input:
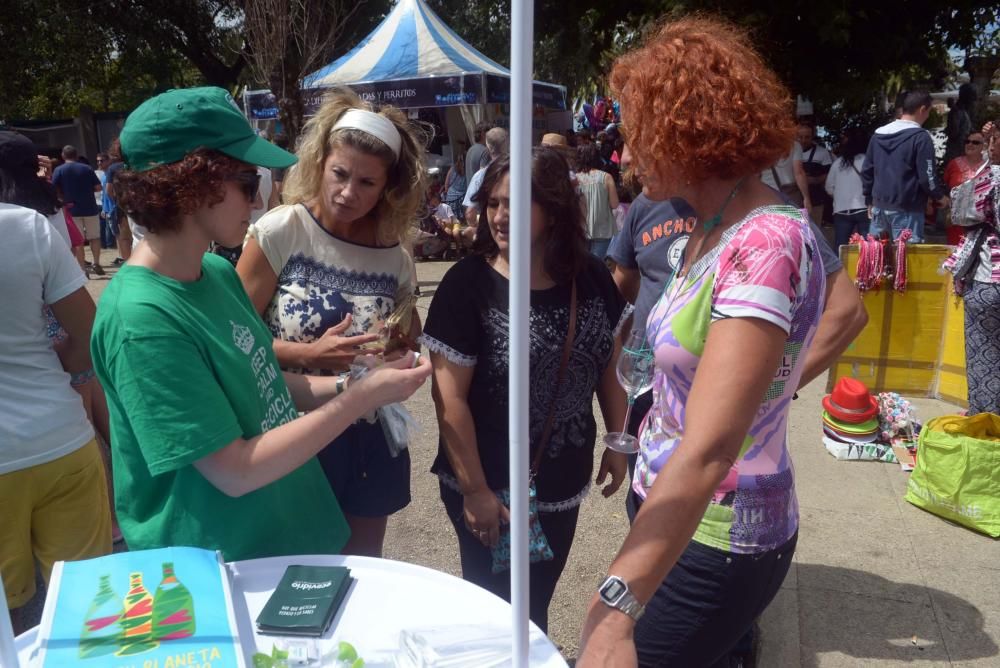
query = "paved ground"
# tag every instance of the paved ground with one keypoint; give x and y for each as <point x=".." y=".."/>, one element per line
<point x="876" y="582"/>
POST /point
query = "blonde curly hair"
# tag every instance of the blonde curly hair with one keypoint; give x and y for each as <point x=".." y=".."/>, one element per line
<point x="407" y="177"/>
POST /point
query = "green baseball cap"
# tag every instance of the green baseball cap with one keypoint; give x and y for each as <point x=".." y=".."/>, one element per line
<point x="165" y="128"/>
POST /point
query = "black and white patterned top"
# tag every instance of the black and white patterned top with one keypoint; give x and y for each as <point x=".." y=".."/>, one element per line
<point x="468" y="324"/>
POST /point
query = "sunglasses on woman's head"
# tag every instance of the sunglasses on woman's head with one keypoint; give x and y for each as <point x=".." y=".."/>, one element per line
<point x="249" y="183"/>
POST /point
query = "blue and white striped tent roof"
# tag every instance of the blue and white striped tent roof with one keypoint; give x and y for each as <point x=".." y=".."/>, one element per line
<point x="411" y="42"/>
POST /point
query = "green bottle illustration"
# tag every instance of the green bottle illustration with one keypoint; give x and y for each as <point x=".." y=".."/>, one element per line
<point x="137" y="620"/>
<point x="173" y="608"/>
<point x="102" y="627"/>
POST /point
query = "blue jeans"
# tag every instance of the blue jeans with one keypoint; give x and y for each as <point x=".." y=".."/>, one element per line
<point x="845" y="225"/>
<point x="707" y="603"/>
<point x="107" y="233"/>
<point x="599" y="248"/>
<point x="888" y="220"/>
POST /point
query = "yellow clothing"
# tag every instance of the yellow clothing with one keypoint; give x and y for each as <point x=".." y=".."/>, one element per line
<point x="56" y="511"/>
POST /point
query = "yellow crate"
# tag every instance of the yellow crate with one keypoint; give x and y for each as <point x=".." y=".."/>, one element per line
<point x="914" y="342"/>
<point x="952" y="384"/>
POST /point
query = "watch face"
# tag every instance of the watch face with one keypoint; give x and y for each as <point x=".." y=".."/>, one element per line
<point x="613" y="590"/>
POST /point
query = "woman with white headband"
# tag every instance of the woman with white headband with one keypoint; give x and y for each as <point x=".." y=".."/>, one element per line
<point x="328" y="270"/>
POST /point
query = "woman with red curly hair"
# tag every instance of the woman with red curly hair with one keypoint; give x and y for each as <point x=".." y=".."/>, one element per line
<point x="713" y="507"/>
<point x="209" y="448"/>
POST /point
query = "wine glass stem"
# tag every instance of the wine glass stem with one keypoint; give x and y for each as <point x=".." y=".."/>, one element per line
<point x="628" y="413"/>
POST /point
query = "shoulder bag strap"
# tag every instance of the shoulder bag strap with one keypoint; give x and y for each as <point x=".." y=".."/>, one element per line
<point x="777" y="181"/>
<point x="563" y="363"/>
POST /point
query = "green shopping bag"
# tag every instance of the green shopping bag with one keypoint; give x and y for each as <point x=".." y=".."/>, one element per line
<point x="958" y="471"/>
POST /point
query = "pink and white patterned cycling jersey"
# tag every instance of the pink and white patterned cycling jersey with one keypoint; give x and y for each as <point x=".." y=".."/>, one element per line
<point x="767" y="266"/>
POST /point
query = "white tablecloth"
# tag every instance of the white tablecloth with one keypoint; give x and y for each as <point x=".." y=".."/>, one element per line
<point x="387" y="597"/>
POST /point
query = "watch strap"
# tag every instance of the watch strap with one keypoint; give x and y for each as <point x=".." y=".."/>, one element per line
<point x="630" y="606"/>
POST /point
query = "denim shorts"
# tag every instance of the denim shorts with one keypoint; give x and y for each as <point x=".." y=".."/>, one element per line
<point x="707" y="603"/>
<point x="366" y="479"/>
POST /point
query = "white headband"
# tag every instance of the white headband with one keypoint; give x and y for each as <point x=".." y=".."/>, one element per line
<point x="374" y="124"/>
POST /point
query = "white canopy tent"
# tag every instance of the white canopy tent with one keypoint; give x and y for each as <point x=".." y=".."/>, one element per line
<point x="413" y="60"/>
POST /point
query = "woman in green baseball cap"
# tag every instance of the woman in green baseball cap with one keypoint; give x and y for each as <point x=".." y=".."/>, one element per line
<point x="209" y="447"/>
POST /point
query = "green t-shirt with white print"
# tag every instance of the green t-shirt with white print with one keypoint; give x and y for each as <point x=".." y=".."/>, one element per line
<point x="188" y="368"/>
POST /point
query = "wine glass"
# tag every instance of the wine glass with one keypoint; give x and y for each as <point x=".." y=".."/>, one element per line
<point x="635" y="375"/>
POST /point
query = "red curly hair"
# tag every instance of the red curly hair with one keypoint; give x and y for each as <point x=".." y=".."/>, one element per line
<point x="157" y="198"/>
<point x="700" y="101"/>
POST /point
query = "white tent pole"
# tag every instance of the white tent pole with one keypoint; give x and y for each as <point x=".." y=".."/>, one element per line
<point x="521" y="56"/>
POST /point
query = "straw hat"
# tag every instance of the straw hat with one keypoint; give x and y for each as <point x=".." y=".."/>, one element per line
<point x="554" y="139"/>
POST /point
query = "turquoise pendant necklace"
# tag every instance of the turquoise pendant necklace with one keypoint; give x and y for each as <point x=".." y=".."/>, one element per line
<point x="714" y="221"/>
<point x="709" y="225"/>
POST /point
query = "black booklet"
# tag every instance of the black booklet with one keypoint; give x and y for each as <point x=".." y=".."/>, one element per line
<point x="305" y="601"/>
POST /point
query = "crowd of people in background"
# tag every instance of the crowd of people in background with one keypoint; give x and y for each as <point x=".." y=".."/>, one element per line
<point x="230" y="390"/>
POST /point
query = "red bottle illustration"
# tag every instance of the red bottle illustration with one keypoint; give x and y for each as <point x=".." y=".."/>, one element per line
<point x="173" y="608"/>
<point x="137" y="620"/>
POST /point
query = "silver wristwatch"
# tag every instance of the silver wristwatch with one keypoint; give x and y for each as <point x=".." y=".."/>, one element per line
<point x="614" y="592"/>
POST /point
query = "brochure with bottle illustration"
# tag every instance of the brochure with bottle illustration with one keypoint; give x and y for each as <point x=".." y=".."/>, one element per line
<point x="146" y="609"/>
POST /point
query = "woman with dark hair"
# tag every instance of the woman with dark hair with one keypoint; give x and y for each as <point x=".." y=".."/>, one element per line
<point x="601" y="197"/>
<point x="843" y="184"/>
<point x="466" y="333"/>
<point x="20" y="184"/>
<point x="975" y="264"/>
<point x="53" y="489"/>
<point x="712" y="504"/>
<point x="961" y="169"/>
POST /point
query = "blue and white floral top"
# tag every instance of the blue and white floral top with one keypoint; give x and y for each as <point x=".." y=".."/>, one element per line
<point x="322" y="278"/>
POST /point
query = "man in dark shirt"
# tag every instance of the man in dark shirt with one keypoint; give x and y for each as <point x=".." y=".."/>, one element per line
<point x="646" y="251"/>
<point x="900" y="172"/>
<point x="76" y="184"/>
<point x="478" y="156"/>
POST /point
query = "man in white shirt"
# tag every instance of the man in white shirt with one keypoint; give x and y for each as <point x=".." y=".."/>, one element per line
<point x="816" y="161"/>
<point x="788" y="176"/>
<point x="107" y="239"/>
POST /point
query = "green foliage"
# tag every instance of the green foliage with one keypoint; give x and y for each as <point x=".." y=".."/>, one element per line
<point x="60" y="56"/>
<point x="278" y="658"/>
<point x="848" y="57"/>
